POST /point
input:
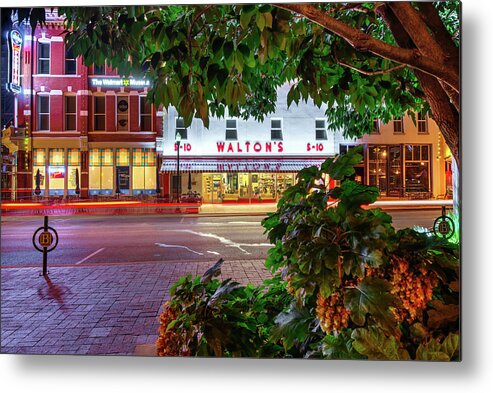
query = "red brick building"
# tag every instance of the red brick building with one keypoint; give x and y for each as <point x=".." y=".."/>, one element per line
<point x="84" y="128"/>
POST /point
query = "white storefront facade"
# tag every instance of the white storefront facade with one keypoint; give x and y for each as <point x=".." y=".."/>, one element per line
<point x="245" y="161"/>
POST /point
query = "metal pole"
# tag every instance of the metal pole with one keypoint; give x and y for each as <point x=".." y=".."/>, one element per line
<point x="178" y="186"/>
<point x="45" y="250"/>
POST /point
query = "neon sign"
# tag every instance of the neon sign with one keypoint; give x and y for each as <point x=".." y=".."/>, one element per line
<point x="14" y="75"/>
<point x="119" y="82"/>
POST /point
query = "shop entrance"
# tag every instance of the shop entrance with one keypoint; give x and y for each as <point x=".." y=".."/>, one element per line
<point x="245" y="187"/>
<point x="400" y="170"/>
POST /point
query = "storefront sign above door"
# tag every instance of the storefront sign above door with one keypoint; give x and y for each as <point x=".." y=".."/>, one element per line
<point x="119" y="82"/>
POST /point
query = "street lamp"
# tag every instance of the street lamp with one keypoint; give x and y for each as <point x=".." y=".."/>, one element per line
<point x="178" y="179"/>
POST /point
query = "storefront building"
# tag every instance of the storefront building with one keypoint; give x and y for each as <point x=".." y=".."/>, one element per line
<point x="405" y="160"/>
<point x="90" y="132"/>
<point x="244" y="161"/>
<point x="238" y="161"/>
<point x="86" y="132"/>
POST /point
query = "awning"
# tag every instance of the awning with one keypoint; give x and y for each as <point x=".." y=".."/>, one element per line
<point x="239" y="165"/>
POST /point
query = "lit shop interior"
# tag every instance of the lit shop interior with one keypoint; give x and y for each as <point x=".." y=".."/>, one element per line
<point x="244" y="187"/>
<point x="55" y="171"/>
<point x="125" y="171"/>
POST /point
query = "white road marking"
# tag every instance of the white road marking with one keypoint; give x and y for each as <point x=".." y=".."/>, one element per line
<point x="89" y="256"/>
<point x="245" y="223"/>
<point x="226" y="242"/>
<point x="177" y="246"/>
<point x="213" y="252"/>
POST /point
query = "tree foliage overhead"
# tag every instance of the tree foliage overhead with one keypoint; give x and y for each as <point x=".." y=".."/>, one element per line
<point x="365" y="61"/>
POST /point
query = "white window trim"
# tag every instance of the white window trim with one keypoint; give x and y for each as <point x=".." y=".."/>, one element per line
<point x="235" y="128"/>
<point x="65" y="64"/>
<point x="140" y="115"/>
<point x="65" y="112"/>
<point x="43" y="41"/>
<point x="282" y="128"/>
<point x="176" y="128"/>
<point x="94" y="96"/>
<point x="425" y="121"/>
<point x="43" y="94"/>
<point x="324" y="129"/>
<point x="401" y="120"/>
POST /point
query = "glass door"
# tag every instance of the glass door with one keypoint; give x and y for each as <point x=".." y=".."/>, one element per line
<point x="377" y="168"/>
<point x="395" y="171"/>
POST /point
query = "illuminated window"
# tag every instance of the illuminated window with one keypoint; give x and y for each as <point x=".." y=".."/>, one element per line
<point x="231" y="130"/>
<point x="43" y="113"/>
<point x="99" y="113"/>
<point x="276" y="129"/>
<point x="144" y="171"/>
<point x="417" y="168"/>
<point x="101" y="176"/>
<point x="320" y="129"/>
<point x="122" y="157"/>
<point x="43" y="58"/>
<point x="70" y="113"/>
<point x="70" y="62"/>
<point x="73" y="170"/>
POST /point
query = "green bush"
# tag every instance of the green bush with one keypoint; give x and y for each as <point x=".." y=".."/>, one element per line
<point x="347" y="285"/>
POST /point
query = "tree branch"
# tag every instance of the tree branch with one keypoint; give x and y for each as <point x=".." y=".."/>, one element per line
<point x="363" y="42"/>
<point x="443" y="111"/>
<point x="371" y="73"/>
<point x="415" y="27"/>
<point x="430" y="16"/>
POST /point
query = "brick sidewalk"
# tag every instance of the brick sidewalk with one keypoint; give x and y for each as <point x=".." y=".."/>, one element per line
<point x="95" y="310"/>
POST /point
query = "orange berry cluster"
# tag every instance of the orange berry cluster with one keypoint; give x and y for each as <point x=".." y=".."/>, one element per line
<point x="414" y="286"/>
<point x="168" y="342"/>
<point x="331" y="312"/>
<point x="289" y="287"/>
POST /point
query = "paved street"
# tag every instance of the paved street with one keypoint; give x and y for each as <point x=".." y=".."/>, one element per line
<point x="88" y="240"/>
<point x="109" y="276"/>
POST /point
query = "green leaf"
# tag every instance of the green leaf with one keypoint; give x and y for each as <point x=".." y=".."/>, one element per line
<point x="260" y="19"/>
<point x="213" y="271"/>
<point x="343" y="165"/>
<point x="373" y="343"/>
<point x="228" y="49"/>
<point x="217" y="44"/>
<point x="292" y="326"/>
<point x="357" y="194"/>
<point x="450" y="345"/>
<point x="245" y="18"/>
<point x="372" y="297"/>
<point x="238" y="60"/>
<point x="339" y="347"/>
<point x="268" y="19"/>
<point x="432" y="350"/>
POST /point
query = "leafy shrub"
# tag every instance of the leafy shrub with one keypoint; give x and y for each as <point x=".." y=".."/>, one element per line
<point x="355" y="288"/>
<point x="209" y="317"/>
